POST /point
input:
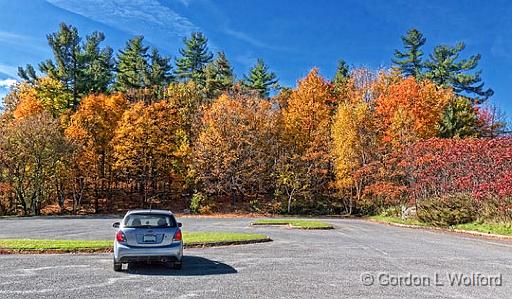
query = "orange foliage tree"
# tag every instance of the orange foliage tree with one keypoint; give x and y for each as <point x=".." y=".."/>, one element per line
<point x="150" y="148"/>
<point x="409" y="110"/>
<point x="304" y="168"/>
<point x="92" y="129"/>
<point x="235" y="150"/>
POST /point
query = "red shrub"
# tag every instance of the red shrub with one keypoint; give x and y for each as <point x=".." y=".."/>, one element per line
<point x="482" y="167"/>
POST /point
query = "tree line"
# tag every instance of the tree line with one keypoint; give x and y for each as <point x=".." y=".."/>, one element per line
<point x="94" y="131"/>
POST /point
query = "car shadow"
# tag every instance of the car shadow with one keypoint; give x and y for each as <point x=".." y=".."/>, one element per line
<point x="192" y="266"/>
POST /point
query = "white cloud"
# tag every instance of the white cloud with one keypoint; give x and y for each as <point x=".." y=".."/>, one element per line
<point x="148" y="17"/>
<point x="22" y="40"/>
<point x="185" y="2"/>
<point x="11" y="71"/>
<point x="246" y="38"/>
<point x="6" y="83"/>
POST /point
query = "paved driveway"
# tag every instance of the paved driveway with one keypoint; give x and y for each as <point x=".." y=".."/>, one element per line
<point x="358" y="259"/>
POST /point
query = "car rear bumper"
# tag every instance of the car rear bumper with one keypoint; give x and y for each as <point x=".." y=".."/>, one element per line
<point x="124" y="253"/>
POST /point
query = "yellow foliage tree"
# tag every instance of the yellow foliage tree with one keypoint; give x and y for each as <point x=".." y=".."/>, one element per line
<point x="45" y="94"/>
<point x="92" y="129"/>
<point x="304" y="168"/>
<point x="150" y="149"/>
<point x="234" y="152"/>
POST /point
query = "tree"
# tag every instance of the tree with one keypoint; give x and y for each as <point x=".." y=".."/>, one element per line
<point x="460" y="119"/>
<point x="219" y="76"/>
<point x="142" y="76"/>
<point x="306" y="141"/>
<point x="234" y="153"/>
<point x="149" y="147"/>
<point x="32" y="150"/>
<point x="92" y="128"/>
<point x="81" y="67"/>
<point x="410" y="60"/>
<point x="342" y="73"/>
<point x="260" y="79"/>
<point x="194" y="58"/>
<point x="160" y="73"/>
<point x="354" y="141"/>
<point x="97" y="65"/>
<point x="45" y="94"/>
<point x="186" y="99"/>
<point x="132" y="66"/>
<point x="444" y="69"/>
<point x="409" y="110"/>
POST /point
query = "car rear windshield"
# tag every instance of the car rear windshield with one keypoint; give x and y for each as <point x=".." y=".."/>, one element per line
<point x="149" y="220"/>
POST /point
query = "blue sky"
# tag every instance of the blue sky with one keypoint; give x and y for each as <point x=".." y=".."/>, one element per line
<point x="291" y="36"/>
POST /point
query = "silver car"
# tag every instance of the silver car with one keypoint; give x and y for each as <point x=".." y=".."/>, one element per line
<point x="148" y="236"/>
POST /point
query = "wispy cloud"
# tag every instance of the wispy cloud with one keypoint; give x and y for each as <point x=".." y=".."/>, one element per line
<point x="246" y="38"/>
<point x="148" y="17"/>
<point x="9" y="70"/>
<point x="6" y="83"/>
<point x="185" y="2"/>
<point x="22" y="40"/>
<point x="247" y="59"/>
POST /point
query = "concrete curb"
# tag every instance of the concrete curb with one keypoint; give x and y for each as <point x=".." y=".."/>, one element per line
<point x="4" y="251"/>
<point x="446" y="230"/>
<point x="292" y="226"/>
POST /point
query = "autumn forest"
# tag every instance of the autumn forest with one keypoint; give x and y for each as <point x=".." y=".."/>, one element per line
<point x="91" y="130"/>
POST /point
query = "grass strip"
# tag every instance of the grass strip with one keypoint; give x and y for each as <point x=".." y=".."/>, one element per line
<point x="191" y="239"/>
<point x="501" y="229"/>
<point x="295" y="223"/>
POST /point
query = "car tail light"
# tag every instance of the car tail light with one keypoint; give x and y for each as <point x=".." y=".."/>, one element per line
<point x="177" y="235"/>
<point x="120" y="237"/>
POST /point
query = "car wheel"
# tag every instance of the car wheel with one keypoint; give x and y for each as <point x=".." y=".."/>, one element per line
<point x="177" y="265"/>
<point x="118" y="267"/>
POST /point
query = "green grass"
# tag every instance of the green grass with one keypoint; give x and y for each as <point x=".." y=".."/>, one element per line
<point x="398" y="220"/>
<point x="296" y="223"/>
<point x="488" y="228"/>
<point x="189" y="238"/>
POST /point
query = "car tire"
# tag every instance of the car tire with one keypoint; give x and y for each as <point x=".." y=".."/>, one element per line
<point x="177" y="265"/>
<point x="118" y="267"/>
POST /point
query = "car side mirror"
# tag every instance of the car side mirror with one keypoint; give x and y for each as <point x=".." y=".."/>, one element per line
<point x="116" y="225"/>
<point x="179" y="224"/>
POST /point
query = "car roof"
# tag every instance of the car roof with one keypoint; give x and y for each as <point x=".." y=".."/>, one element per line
<point x="149" y="211"/>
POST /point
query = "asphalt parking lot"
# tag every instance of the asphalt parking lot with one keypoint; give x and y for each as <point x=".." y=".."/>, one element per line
<point x="357" y="259"/>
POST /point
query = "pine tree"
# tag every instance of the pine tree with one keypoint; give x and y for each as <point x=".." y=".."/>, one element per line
<point x="81" y="67"/>
<point x="160" y="73"/>
<point x="97" y="65"/>
<point x="132" y="66"/>
<point x="445" y="69"/>
<point x="260" y="79"/>
<point x="194" y="58"/>
<point x="219" y="76"/>
<point x="28" y="73"/>
<point x="342" y="72"/>
<point x="410" y="61"/>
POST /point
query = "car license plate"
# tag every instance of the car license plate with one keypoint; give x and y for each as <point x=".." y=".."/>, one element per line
<point x="149" y="238"/>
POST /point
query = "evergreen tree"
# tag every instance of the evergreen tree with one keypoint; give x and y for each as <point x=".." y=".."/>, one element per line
<point x="194" y="58"/>
<point x="410" y="60"/>
<point x="445" y="69"/>
<point x="28" y="73"/>
<point x="219" y="76"/>
<point x="81" y="67"/>
<point x="132" y="66"/>
<point x="160" y="73"/>
<point x="342" y="73"/>
<point x="260" y="79"/>
<point x="97" y="65"/>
